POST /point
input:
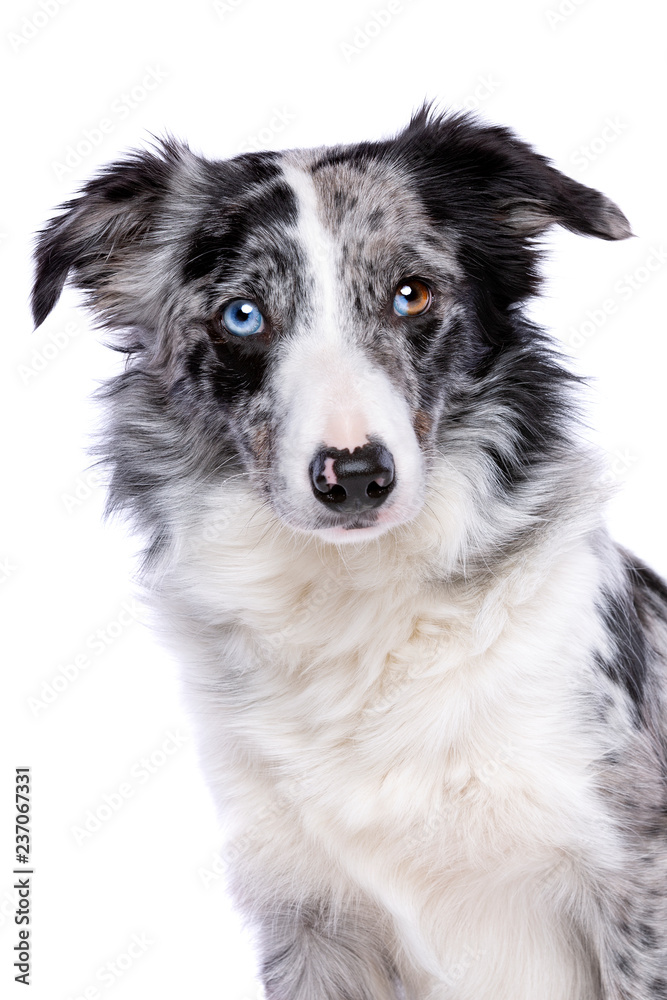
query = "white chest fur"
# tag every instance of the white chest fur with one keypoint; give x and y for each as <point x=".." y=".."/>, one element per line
<point x="364" y="725"/>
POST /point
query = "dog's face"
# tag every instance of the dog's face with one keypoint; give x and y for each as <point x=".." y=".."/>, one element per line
<point x="329" y="323"/>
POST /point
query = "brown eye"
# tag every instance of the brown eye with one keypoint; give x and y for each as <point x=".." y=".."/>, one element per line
<point x="412" y="297"/>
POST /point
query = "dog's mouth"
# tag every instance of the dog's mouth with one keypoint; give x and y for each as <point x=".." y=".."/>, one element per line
<point x="353" y="531"/>
<point x="358" y="524"/>
<point x="353" y="490"/>
<point x="339" y="524"/>
<point x="354" y="525"/>
<point x="344" y="523"/>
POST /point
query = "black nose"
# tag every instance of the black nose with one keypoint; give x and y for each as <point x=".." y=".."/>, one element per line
<point x="352" y="481"/>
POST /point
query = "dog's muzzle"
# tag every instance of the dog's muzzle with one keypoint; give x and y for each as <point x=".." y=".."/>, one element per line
<point x="351" y="482"/>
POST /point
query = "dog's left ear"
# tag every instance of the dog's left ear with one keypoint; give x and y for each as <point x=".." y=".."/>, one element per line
<point x="537" y="195"/>
<point x="103" y="238"/>
<point x="472" y="173"/>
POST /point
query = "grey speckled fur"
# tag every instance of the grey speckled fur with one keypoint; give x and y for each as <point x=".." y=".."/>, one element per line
<point x="159" y="242"/>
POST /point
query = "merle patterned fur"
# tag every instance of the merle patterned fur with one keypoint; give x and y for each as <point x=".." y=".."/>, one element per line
<point x="159" y="241"/>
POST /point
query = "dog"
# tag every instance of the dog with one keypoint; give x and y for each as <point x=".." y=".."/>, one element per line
<point x="428" y="688"/>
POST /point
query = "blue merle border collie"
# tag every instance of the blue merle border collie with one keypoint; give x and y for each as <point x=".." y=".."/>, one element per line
<point x="429" y="689"/>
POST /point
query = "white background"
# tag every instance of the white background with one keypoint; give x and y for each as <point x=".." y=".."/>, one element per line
<point x="264" y="73"/>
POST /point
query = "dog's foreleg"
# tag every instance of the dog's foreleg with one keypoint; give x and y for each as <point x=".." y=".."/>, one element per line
<point x="312" y="952"/>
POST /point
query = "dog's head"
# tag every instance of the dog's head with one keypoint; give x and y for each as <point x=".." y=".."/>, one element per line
<point x="328" y="323"/>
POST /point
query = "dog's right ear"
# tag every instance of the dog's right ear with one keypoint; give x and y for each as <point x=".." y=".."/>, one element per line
<point x="102" y="238"/>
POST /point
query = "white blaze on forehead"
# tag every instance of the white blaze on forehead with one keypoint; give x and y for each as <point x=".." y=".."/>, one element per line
<point x="319" y="248"/>
<point x="337" y="402"/>
<point x="329" y="391"/>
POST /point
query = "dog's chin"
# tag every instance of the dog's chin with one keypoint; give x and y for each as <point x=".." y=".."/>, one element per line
<point x="354" y="534"/>
<point x="354" y="530"/>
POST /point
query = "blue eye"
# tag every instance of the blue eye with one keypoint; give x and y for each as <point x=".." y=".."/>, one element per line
<point x="412" y="297"/>
<point x="242" y="318"/>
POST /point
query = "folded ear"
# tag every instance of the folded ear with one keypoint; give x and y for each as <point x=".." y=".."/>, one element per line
<point x="493" y="195"/>
<point x="542" y="196"/>
<point x="100" y="239"/>
<point x="484" y="170"/>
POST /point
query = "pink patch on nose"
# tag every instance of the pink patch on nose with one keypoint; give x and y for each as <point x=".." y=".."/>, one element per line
<point x="346" y="430"/>
<point x="328" y="472"/>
